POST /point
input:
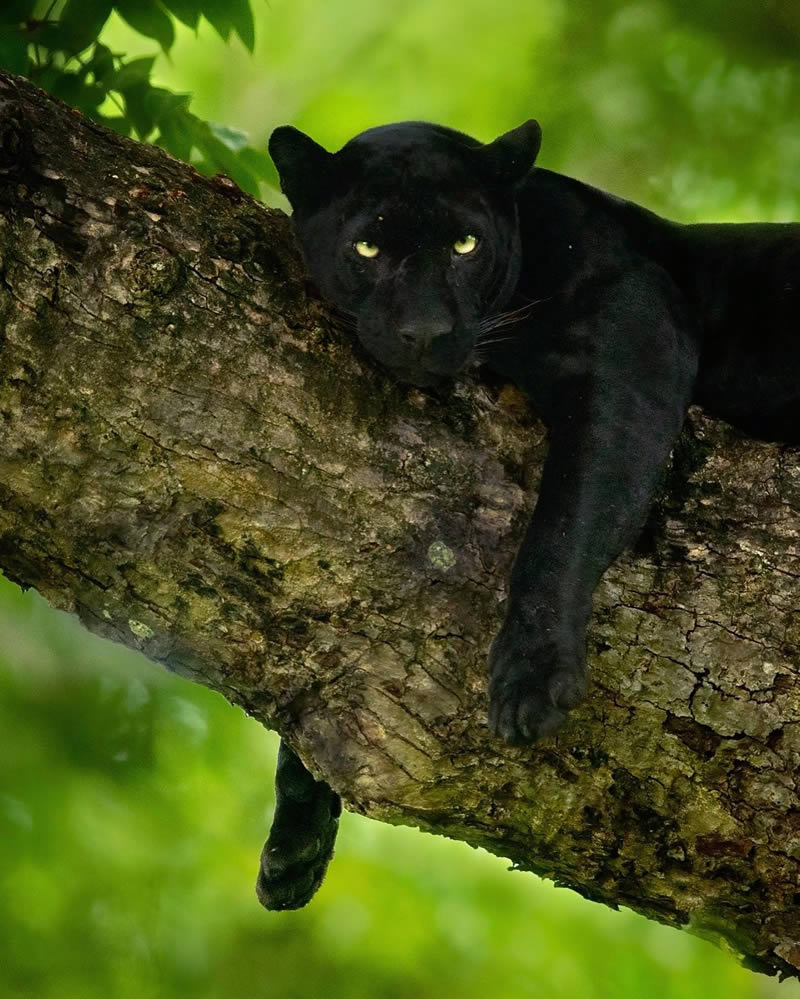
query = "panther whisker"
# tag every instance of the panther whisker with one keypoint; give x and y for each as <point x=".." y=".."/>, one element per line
<point x="494" y="341"/>
<point x="344" y="322"/>
<point x="485" y="334"/>
<point x="343" y="317"/>
<point x="499" y="324"/>
<point x="512" y="315"/>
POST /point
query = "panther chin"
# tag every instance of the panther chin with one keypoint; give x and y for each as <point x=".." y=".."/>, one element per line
<point x="422" y="378"/>
<point x="419" y="378"/>
<point x="424" y="371"/>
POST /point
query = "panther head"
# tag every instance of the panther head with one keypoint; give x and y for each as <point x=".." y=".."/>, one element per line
<point x="410" y="230"/>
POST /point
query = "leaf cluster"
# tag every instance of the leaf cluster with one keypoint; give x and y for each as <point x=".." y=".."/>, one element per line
<point x="56" y="43"/>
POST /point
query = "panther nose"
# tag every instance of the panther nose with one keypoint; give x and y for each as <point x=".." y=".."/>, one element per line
<point x="420" y="335"/>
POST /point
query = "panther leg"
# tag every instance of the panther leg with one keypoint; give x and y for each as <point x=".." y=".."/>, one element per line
<point x="300" y="844"/>
<point x="613" y="419"/>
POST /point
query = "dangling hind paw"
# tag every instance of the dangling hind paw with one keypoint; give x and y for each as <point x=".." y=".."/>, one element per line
<point x="300" y="844"/>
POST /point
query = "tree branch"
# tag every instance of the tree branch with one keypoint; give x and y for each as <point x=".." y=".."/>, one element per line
<point x="196" y="462"/>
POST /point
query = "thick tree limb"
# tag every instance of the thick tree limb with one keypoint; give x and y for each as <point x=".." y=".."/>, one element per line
<point x="199" y="466"/>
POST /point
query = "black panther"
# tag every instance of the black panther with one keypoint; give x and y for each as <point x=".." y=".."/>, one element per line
<point x="444" y="251"/>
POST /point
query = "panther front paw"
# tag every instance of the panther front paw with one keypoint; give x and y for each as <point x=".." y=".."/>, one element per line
<point x="532" y="686"/>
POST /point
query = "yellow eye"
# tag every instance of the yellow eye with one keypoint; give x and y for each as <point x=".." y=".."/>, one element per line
<point x="366" y="249"/>
<point x="466" y="244"/>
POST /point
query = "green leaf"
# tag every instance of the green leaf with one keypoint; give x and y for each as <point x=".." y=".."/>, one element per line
<point x="211" y="147"/>
<point x="260" y="164"/>
<point x="218" y="19"/>
<point x="163" y="103"/>
<point x="175" y="134"/>
<point x="80" y="23"/>
<point x="132" y="73"/>
<point x="46" y="76"/>
<point x="72" y="89"/>
<point x="239" y="173"/>
<point x="14" y="53"/>
<point x="16" y="11"/>
<point x="149" y="19"/>
<point x="187" y="11"/>
<point x="54" y="36"/>
<point x="102" y="63"/>
<point x="242" y="18"/>
<point x="117" y="123"/>
<point x="225" y="15"/>
<point x="137" y="111"/>
<point x="221" y="159"/>
<point x="233" y="138"/>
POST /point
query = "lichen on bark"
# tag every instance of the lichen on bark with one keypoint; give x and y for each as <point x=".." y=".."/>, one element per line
<point x="198" y="463"/>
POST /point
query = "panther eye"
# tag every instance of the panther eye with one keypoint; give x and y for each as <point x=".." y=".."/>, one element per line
<point x="466" y="244"/>
<point x="366" y="249"/>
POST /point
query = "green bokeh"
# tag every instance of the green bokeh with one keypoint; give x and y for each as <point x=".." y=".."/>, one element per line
<point x="663" y="101"/>
<point x="133" y="805"/>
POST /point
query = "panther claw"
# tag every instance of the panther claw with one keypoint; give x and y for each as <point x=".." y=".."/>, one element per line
<point x="523" y="721"/>
<point x="525" y="705"/>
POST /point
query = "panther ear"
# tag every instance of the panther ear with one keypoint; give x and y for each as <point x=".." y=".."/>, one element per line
<point x="302" y="164"/>
<point x="510" y="157"/>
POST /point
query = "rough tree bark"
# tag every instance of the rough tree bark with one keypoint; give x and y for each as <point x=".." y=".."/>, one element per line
<point x="197" y="463"/>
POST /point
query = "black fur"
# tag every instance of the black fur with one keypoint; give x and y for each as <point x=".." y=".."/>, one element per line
<point x="300" y="844"/>
<point x="610" y="318"/>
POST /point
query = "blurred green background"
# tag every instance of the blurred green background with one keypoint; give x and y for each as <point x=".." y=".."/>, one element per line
<point x="133" y="804"/>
